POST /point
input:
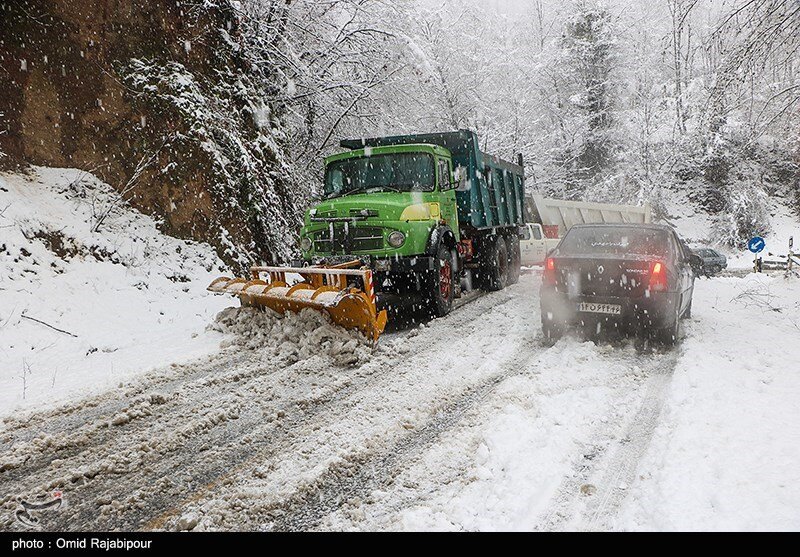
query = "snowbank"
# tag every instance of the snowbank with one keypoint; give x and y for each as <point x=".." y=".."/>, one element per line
<point x="696" y="226"/>
<point x="125" y="297"/>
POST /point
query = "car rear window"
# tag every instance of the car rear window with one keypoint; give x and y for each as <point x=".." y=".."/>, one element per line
<point x="615" y="241"/>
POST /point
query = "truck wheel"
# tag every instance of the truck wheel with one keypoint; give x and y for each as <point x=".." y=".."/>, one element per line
<point x="440" y="288"/>
<point x="514" y="259"/>
<point x="495" y="268"/>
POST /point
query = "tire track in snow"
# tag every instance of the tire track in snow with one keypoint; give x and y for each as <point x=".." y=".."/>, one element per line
<point x="366" y="473"/>
<point x="177" y="467"/>
<point x="300" y="427"/>
<point x="38" y="439"/>
<point x="590" y="497"/>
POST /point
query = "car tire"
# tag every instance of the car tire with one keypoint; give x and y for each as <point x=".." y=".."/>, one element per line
<point x="441" y="284"/>
<point x="551" y="332"/>
<point x="670" y="335"/>
<point x="688" y="313"/>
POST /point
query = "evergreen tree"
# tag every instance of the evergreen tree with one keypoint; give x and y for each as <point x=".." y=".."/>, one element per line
<point x="587" y="52"/>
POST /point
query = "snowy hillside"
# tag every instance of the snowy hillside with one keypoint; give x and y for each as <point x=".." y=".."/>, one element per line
<point x="123" y="297"/>
<point x="697" y="226"/>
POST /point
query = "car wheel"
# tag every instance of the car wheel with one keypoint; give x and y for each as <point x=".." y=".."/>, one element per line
<point x="551" y="332"/>
<point x="688" y="313"/>
<point x="670" y="335"/>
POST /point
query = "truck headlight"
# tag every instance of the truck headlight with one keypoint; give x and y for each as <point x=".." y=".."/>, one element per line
<point x="396" y="239"/>
<point x="305" y="243"/>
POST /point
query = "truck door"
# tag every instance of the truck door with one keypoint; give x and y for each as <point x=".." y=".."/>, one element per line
<point x="539" y="243"/>
<point x="532" y="245"/>
<point x="525" y="244"/>
<point x="447" y="196"/>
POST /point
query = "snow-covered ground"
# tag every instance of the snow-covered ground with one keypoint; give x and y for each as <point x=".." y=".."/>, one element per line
<point x="469" y="422"/>
<point x="598" y="437"/>
<point x="127" y="297"/>
<point x="726" y="453"/>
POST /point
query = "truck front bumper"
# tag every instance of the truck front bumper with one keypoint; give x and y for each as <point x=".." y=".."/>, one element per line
<point x="412" y="264"/>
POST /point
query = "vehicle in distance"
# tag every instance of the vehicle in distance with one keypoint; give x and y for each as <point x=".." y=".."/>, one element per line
<point x="534" y="244"/>
<point x="712" y="261"/>
<point x="549" y="219"/>
<point x="631" y="278"/>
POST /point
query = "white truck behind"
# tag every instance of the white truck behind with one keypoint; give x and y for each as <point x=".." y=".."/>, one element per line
<point x="550" y="219"/>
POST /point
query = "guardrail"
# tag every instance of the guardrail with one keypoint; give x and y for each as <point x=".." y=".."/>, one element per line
<point x="785" y="263"/>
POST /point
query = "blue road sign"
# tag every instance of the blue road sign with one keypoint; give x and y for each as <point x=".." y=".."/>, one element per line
<point x="756" y="245"/>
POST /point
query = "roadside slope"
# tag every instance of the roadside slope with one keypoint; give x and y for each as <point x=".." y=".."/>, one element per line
<point x="126" y="298"/>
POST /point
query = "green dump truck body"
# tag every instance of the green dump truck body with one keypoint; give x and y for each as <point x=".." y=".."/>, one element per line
<point x="492" y="191"/>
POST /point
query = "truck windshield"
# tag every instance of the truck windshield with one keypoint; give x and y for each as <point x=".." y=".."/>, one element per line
<point x="390" y="172"/>
<point x="615" y="241"/>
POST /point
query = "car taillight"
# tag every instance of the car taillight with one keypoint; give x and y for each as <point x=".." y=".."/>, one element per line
<point x="658" y="276"/>
<point x="549" y="274"/>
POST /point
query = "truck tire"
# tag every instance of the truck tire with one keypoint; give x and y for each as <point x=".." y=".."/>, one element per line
<point x="514" y="259"/>
<point x="495" y="265"/>
<point x="440" y="285"/>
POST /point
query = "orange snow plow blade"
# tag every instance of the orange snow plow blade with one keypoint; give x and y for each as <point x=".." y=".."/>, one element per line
<point x="345" y="293"/>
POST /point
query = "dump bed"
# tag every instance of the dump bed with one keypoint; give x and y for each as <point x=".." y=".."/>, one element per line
<point x="557" y="215"/>
<point x="493" y="192"/>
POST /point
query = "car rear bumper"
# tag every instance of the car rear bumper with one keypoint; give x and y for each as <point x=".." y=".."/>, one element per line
<point x="655" y="311"/>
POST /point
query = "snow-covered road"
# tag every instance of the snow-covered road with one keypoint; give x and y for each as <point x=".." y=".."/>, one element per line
<point x="466" y="423"/>
<point x="256" y="438"/>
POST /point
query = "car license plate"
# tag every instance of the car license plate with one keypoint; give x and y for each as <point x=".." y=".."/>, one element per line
<point x="610" y="309"/>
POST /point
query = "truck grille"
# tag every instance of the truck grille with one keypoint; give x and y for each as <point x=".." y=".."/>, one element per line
<point x="347" y="238"/>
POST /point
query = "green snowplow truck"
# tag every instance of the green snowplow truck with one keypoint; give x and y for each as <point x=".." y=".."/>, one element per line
<point x="428" y="214"/>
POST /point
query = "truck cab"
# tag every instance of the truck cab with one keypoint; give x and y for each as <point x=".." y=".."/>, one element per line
<point x="534" y="245"/>
<point x="382" y="203"/>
